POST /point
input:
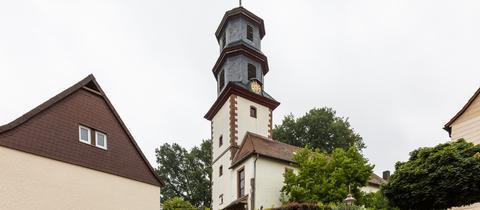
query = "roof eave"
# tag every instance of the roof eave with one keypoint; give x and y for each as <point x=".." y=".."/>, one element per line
<point x="240" y="11"/>
<point x="234" y="89"/>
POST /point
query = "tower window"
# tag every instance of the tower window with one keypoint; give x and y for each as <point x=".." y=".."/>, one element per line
<point x="252" y="71"/>
<point x="241" y="183"/>
<point x="224" y="39"/>
<point x="220" y="171"/>
<point x="221" y="199"/>
<point x="221" y="80"/>
<point x="253" y="112"/>
<point x="220" y="141"/>
<point x="250" y="33"/>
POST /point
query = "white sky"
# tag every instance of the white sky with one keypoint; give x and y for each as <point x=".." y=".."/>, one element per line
<point x="399" y="69"/>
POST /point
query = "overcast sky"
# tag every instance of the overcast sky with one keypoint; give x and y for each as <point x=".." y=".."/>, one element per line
<point x="399" y="70"/>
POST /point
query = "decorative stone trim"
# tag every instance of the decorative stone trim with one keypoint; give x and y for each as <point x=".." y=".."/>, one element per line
<point x="233" y="125"/>
<point x="270" y="136"/>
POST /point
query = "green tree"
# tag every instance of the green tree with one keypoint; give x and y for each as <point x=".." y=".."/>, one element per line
<point x="439" y="177"/>
<point x="319" y="128"/>
<point x="325" y="177"/>
<point x="186" y="174"/>
<point x="377" y="201"/>
<point x="177" y="203"/>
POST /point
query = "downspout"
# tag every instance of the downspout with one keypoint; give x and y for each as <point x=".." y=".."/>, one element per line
<point x="254" y="181"/>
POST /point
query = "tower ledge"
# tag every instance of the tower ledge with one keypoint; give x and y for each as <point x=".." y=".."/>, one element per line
<point x="237" y="89"/>
<point x="236" y="12"/>
<point x="239" y="48"/>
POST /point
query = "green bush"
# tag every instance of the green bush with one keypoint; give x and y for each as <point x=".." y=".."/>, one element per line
<point x="177" y="203"/>
<point x="302" y="206"/>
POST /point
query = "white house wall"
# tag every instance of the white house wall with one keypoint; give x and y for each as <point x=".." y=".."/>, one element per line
<point x="269" y="182"/>
<point x="34" y="182"/>
<point x="246" y="123"/>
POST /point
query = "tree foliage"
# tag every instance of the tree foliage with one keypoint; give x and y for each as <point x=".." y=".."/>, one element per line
<point x="439" y="177"/>
<point x="319" y="128"/>
<point x="186" y="174"/>
<point x="377" y="201"/>
<point x="325" y="177"/>
<point x="177" y="203"/>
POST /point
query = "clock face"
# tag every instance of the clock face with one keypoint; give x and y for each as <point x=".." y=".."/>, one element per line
<point x="255" y="87"/>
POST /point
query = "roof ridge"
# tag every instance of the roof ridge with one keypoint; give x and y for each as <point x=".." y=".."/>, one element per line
<point x="53" y="100"/>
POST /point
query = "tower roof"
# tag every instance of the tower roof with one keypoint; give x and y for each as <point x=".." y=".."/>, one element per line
<point x="240" y="12"/>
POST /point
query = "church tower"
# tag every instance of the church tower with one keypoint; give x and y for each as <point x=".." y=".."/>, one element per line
<point x="242" y="106"/>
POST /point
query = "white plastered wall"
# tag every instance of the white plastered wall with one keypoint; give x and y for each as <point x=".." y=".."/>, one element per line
<point x="246" y="123"/>
<point x="221" y="184"/>
<point x="30" y="182"/>
<point x="269" y="182"/>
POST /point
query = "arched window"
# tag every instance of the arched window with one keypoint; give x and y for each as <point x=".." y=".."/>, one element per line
<point x="252" y="71"/>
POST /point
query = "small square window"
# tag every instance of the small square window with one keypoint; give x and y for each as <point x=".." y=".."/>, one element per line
<point x="84" y="134"/>
<point x="253" y="112"/>
<point x="100" y="140"/>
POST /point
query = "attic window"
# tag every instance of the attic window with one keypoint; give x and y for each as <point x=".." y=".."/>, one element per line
<point x="100" y="140"/>
<point x="84" y="134"/>
<point x="250" y="33"/>
<point x="252" y="71"/>
<point x="253" y="112"/>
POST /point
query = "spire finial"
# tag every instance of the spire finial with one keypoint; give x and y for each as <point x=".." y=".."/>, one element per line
<point x="240" y="3"/>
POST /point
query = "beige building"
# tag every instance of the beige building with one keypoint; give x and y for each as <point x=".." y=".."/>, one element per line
<point x="466" y="124"/>
<point x="74" y="152"/>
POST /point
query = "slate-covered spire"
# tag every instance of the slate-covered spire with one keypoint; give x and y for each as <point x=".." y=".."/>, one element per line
<point x="241" y="61"/>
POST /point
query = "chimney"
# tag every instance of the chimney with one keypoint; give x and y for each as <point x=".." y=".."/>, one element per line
<point x="386" y="175"/>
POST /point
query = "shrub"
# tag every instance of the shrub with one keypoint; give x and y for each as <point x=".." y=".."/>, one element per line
<point x="302" y="206"/>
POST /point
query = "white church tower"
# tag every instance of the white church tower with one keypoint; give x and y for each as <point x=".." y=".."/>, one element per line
<point x="247" y="164"/>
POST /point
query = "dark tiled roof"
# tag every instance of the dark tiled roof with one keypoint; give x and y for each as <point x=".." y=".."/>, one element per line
<point x="256" y="144"/>
<point x="35" y="146"/>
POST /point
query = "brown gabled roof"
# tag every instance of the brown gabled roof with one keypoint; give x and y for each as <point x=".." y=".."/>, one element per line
<point x="89" y="84"/>
<point x="376" y="180"/>
<point x="447" y="126"/>
<point x="260" y="145"/>
<point x="254" y="144"/>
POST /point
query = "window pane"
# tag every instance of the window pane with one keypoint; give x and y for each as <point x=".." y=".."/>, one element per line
<point x="84" y="134"/>
<point x="100" y="139"/>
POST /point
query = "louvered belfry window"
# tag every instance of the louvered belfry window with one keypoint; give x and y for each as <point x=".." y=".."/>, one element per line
<point x="250" y="33"/>
<point x="252" y="71"/>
